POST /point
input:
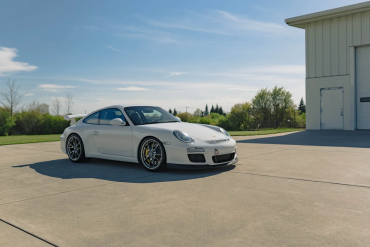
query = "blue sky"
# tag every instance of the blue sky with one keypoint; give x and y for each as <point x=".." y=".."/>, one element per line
<point x="167" y="53"/>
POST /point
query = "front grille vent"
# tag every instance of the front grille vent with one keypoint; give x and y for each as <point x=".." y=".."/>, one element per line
<point x="216" y="141"/>
<point x="223" y="158"/>
<point x="196" y="158"/>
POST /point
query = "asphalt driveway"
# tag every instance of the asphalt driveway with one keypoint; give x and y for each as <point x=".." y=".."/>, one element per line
<point x="309" y="188"/>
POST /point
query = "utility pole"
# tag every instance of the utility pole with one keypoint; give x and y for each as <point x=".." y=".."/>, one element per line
<point x="187" y="108"/>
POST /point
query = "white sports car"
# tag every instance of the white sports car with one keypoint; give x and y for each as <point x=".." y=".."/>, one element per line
<point x="148" y="135"/>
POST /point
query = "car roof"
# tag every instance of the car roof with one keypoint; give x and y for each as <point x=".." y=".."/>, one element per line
<point x="122" y="106"/>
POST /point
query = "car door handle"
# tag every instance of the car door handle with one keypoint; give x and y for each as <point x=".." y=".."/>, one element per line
<point x="95" y="132"/>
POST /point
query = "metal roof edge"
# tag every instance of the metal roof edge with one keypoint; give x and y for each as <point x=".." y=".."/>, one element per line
<point x="300" y="21"/>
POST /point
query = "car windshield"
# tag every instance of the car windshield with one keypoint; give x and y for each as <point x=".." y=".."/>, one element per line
<point x="141" y="115"/>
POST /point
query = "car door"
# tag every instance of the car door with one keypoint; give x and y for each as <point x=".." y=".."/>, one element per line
<point x="113" y="140"/>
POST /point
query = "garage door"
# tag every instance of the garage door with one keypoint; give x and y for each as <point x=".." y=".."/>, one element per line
<point x="363" y="87"/>
<point x="331" y="116"/>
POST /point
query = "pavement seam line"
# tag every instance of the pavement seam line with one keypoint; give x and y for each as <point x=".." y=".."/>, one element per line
<point x="67" y="191"/>
<point x="302" y="179"/>
<point x="297" y="148"/>
<point x="27" y="232"/>
<point x="42" y="151"/>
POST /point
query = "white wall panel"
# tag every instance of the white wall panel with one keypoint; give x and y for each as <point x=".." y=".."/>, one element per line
<point x="334" y="45"/>
<point x="365" y="25"/>
<point x="328" y="42"/>
<point x="319" y="50"/>
<point x="342" y="58"/>
<point x="312" y="52"/>
<point x="349" y="40"/>
<point x="326" y="47"/>
<point x="356" y="29"/>
<point x="313" y="87"/>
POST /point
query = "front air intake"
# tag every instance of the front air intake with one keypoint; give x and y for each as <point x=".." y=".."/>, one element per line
<point x="223" y="158"/>
<point x="196" y="158"/>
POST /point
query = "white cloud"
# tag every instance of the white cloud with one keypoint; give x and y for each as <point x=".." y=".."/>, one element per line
<point x="176" y="74"/>
<point x="62" y="79"/>
<point x="29" y="94"/>
<point x="278" y="69"/>
<point x="114" y="49"/>
<point x="243" y="89"/>
<point x="220" y="22"/>
<point x="54" y="88"/>
<point x="132" y="89"/>
<point x="147" y="33"/>
<point x="8" y="66"/>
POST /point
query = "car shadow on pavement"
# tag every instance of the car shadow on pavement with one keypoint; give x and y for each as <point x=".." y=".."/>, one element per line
<point x="328" y="138"/>
<point x="118" y="171"/>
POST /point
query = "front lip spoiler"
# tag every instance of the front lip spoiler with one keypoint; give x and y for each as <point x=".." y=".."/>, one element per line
<point x="204" y="166"/>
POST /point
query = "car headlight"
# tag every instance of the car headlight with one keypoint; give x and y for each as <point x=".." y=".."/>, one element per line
<point x="182" y="136"/>
<point x="225" y="132"/>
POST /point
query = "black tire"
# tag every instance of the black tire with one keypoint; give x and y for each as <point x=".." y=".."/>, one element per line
<point x="75" y="149"/>
<point x="155" y="155"/>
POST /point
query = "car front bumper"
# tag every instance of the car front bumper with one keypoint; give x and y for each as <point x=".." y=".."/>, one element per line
<point x="177" y="153"/>
<point x="204" y="166"/>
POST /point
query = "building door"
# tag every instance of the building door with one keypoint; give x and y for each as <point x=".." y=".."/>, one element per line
<point x="363" y="87"/>
<point x="331" y="116"/>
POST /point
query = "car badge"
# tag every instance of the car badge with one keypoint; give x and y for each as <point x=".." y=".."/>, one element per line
<point x="213" y="135"/>
<point x="216" y="152"/>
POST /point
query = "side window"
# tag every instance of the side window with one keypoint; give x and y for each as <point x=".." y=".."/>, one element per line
<point x="107" y="115"/>
<point x="93" y="119"/>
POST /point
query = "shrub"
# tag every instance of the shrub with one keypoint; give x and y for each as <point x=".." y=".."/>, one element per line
<point x="185" y="116"/>
<point x="204" y="120"/>
<point x="6" y="121"/>
<point x="54" y="124"/>
<point x="28" y="123"/>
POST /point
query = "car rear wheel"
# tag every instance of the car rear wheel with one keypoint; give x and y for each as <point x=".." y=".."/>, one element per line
<point x="152" y="155"/>
<point x="75" y="149"/>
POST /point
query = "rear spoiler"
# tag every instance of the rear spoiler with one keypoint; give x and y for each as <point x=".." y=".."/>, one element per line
<point x="72" y="118"/>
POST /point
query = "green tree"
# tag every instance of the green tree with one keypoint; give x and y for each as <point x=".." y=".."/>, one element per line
<point x="281" y="101"/>
<point x="262" y="107"/>
<point x="29" y="122"/>
<point x="216" y="109"/>
<point x="185" y="116"/>
<point x="174" y="112"/>
<point x="10" y="98"/>
<point x="206" y="112"/>
<point x="239" y="116"/>
<point x="197" y="113"/>
<point x="220" y="111"/>
<point x="7" y="121"/>
<point x="212" y="109"/>
<point x="302" y="107"/>
<point x="170" y="111"/>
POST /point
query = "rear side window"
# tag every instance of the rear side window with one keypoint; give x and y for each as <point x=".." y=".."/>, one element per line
<point x="107" y="115"/>
<point x="93" y="119"/>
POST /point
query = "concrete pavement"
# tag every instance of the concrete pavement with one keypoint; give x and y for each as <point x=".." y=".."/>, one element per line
<point x="306" y="188"/>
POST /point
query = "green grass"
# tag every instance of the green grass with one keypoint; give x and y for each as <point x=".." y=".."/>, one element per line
<point x="261" y="132"/>
<point x="9" y="140"/>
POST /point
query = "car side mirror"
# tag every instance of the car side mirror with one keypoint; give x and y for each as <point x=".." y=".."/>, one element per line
<point x="117" y="122"/>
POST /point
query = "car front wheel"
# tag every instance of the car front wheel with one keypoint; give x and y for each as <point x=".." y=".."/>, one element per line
<point x="152" y="155"/>
<point x="75" y="149"/>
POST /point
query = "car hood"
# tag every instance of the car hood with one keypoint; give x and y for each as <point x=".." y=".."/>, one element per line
<point x="195" y="131"/>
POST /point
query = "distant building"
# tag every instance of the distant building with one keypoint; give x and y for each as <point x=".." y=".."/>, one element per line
<point x="337" y="67"/>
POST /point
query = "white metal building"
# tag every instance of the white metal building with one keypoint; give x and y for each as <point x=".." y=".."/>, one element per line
<point x="337" y="67"/>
